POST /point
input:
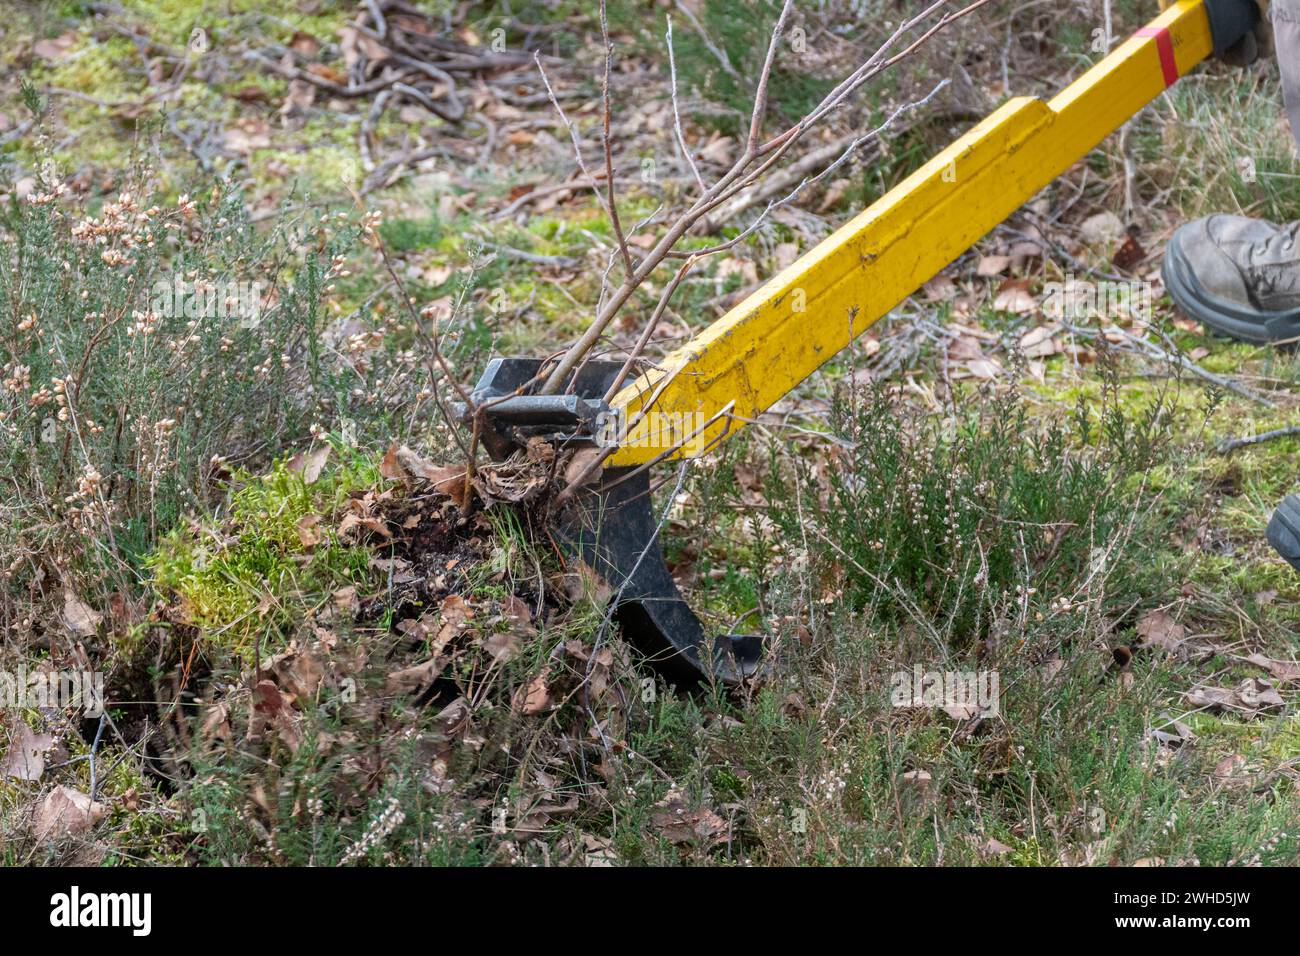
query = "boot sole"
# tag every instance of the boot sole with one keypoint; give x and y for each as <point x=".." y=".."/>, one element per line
<point x="1227" y="318"/>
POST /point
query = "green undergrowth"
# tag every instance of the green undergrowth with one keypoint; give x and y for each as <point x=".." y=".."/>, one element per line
<point x="951" y="520"/>
<point x="1006" y="540"/>
<point x="248" y="578"/>
<point x="1246" y="166"/>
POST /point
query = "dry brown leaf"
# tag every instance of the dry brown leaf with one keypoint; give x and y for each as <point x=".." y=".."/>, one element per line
<point x="1282" y="670"/>
<point x="453" y="720"/>
<point x="57" y="48"/>
<point x="447" y="479"/>
<point x="579" y="464"/>
<point x="309" y="465"/>
<point x="939" y="289"/>
<point x="990" y="266"/>
<point x="267" y="698"/>
<point x="455" y="618"/>
<point x="1250" y="697"/>
<point x="66" y="812"/>
<point x="1024" y="250"/>
<point x="1158" y="629"/>
<point x="247" y="135"/>
<point x="1014" y="296"/>
<point x="1101" y="228"/>
<point x="1038" y="342"/>
<point x="25" y="758"/>
<point x="1171" y="732"/>
<point x="216" y="724"/>
<point x="411" y="680"/>
<point x="304" y="43"/>
<point x="513" y="481"/>
<point x="599" y="851"/>
<point x="345" y="599"/>
<point x="682" y="824"/>
<point x="992" y="847"/>
<point x="395" y="570"/>
<point x="309" y="532"/>
<point x="1211" y="698"/>
<point x="517" y="610"/>
<point x="80" y="618"/>
<point x="918" y="780"/>
<point x="1257" y="694"/>
<point x="502" y="646"/>
<point x="583" y="581"/>
<point x="534" y="697"/>
<point x="378" y="525"/>
<point x="389" y="467"/>
<point x="718" y="150"/>
<point x="986" y="368"/>
<point x="965" y="348"/>
<point x="298" y="671"/>
<point x="1228" y="766"/>
<point x="327" y="73"/>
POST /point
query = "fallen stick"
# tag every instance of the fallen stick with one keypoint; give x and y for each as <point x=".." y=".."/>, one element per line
<point x="1229" y="445"/>
<point x="1152" y="350"/>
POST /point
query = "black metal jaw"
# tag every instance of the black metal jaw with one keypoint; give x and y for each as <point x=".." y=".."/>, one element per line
<point x="611" y="524"/>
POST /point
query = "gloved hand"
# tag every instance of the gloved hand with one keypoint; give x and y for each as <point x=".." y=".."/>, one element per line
<point x="1255" y="44"/>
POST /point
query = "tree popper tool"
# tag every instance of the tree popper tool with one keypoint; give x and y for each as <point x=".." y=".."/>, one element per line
<point x="744" y="362"/>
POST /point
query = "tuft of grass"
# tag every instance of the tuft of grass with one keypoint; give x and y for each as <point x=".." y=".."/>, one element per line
<point x="1247" y="166"/>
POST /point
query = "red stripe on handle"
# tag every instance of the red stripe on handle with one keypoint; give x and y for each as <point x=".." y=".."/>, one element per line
<point x="1165" y="47"/>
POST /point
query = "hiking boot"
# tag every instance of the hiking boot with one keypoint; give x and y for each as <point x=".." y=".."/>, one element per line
<point x="1239" y="276"/>
<point x="1284" y="530"/>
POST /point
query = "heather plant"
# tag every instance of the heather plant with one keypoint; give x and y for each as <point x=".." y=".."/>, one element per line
<point x="954" y="523"/>
<point x="150" y="348"/>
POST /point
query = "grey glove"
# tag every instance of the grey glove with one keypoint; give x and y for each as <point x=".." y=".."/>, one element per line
<point x="1255" y="44"/>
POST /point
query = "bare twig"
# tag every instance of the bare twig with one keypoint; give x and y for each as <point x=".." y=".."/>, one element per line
<point x="610" y="204"/>
<point x="577" y="140"/>
<point x="649" y="329"/>
<point x="536" y="258"/>
<point x="1229" y="445"/>
<point x="760" y="94"/>
<point x="794" y="194"/>
<point x="677" y="116"/>
<point x="1173" y="357"/>
<point x="717" y="51"/>
<point x="430" y="343"/>
<point x="775" y="184"/>
<point x="753" y="163"/>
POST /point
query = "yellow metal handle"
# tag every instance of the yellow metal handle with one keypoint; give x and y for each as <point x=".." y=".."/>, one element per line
<point x="782" y="333"/>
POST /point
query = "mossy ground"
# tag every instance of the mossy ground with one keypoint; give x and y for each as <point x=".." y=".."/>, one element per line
<point x="243" y="583"/>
